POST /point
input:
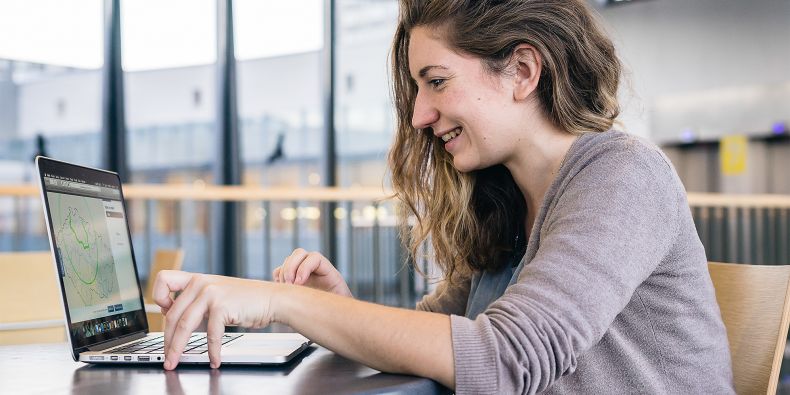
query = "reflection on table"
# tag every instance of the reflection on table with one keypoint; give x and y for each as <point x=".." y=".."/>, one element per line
<point x="48" y="368"/>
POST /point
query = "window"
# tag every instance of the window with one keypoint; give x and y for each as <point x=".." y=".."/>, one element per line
<point x="169" y="54"/>
<point x="50" y="98"/>
<point x="281" y="122"/>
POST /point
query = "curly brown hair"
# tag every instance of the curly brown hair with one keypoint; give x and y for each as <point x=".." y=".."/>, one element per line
<point x="472" y="218"/>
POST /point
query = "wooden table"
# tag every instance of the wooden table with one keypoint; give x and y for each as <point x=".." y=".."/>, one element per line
<point x="49" y="369"/>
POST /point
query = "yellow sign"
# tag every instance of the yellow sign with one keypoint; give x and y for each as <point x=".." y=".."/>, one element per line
<point x="732" y="154"/>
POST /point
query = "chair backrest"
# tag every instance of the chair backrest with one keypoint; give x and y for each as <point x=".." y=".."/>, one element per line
<point x="163" y="260"/>
<point x="755" y="307"/>
<point x="29" y="299"/>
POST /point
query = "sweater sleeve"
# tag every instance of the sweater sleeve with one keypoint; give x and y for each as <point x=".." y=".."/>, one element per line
<point x="607" y="232"/>
<point x="447" y="298"/>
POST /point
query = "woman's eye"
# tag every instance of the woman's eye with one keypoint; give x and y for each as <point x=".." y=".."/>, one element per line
<point x="436" y="82"/>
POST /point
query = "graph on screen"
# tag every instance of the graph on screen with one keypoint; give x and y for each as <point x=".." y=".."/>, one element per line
<point x="85" y="251"/>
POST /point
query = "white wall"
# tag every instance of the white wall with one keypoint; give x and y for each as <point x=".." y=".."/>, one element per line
<point x="287" y="86"/>
<point x="165" y="96"/>
<point x="38" y="104"/>
<point x="715" y="66"/>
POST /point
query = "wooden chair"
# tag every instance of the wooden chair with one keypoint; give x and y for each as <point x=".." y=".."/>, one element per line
<point x="163" y="260"/>
<point x="755" y="307"/>
<point x="30" y="306"/>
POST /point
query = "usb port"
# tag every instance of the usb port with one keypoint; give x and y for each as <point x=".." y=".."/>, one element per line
<point x="113" y="358"/>
<point x="143" y="359"/>
<point x="127" y="357"/>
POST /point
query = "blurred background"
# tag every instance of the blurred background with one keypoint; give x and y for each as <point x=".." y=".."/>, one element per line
<point x="283" y="98"/>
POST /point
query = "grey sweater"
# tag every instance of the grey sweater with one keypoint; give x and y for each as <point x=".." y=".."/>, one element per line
<point x="612" y="295"/>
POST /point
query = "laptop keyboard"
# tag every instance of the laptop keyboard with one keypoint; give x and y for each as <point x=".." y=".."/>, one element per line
<point x="198" y="344"/>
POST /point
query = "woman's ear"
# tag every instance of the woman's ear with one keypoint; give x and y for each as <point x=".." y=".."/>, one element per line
<point x="527" y="62"/>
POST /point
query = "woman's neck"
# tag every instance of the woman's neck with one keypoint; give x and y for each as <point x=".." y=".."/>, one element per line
<point x="537" y="163"/>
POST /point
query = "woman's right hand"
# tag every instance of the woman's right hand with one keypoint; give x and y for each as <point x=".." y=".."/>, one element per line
<point x="313" y="270"/>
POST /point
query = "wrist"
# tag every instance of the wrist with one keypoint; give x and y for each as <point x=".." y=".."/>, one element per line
<point x="278" y="299"/>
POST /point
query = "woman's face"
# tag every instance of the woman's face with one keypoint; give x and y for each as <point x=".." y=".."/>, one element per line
<point x="472" y="112"/>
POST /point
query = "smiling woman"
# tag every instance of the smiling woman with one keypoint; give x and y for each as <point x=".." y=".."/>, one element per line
<point x="571" y="261"/>
<point x="485" y="48"/>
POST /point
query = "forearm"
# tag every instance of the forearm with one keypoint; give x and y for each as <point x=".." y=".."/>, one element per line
<point x="384" y="338"/>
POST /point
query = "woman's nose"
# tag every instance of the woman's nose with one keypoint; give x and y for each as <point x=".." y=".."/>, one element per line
<point x="425" y="113"/>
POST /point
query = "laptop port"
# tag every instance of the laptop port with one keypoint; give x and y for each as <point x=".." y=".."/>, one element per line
<point x="96" y="358"/>
<point x="113" y="358"/>
<point x="143" y="359"/>
<point x="127" y="357"/>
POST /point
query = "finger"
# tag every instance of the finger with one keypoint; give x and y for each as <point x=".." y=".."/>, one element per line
<point x="180" y="305"/>
<point x="308" y="266"/>
<point x="182" y="331"/>
<point x="324" y="266"/>
<point x="292" y="264"/>
<point x="276" y="274"/>
<point x="168" y="281"/>
<point x="215" y="329"/>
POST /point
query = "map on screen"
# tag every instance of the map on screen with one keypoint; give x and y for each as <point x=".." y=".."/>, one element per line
<point x="84" y="245"/>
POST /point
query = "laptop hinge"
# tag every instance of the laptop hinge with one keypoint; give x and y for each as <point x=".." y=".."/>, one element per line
<point x="117" y="342"/>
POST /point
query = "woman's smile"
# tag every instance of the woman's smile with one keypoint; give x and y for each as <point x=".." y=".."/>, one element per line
<point x="451" y="138"/>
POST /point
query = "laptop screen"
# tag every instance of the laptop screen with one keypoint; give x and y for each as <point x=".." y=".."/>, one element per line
<point x="90" y="237"/>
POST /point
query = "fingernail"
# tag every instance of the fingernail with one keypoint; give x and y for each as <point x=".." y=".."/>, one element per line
<point x="299" y="279"/>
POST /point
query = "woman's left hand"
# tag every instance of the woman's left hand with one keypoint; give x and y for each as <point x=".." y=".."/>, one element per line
<point x="223" y="300"/>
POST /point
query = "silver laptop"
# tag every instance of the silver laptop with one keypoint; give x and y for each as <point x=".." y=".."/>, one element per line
<point x="93" y="255"/>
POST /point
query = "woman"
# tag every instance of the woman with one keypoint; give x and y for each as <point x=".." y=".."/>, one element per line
<point x="570" y="259"/>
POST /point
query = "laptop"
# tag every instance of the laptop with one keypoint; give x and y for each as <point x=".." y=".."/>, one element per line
<point x="92" y="251"/>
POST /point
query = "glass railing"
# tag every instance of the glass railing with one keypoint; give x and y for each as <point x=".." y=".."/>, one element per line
<point x="733" y="228"/>
<point x="276" y="221"/>
<point x="743" y="228"/>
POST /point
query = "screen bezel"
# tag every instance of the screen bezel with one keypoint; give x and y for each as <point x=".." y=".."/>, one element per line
<point x="63" y="169"/>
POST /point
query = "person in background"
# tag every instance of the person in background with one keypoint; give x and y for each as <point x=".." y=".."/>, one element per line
<point x="41" y="146"/>
<point x="570" y="260"/>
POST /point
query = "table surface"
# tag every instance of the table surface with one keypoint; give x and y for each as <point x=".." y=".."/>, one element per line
<point x="48" y="368"/>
